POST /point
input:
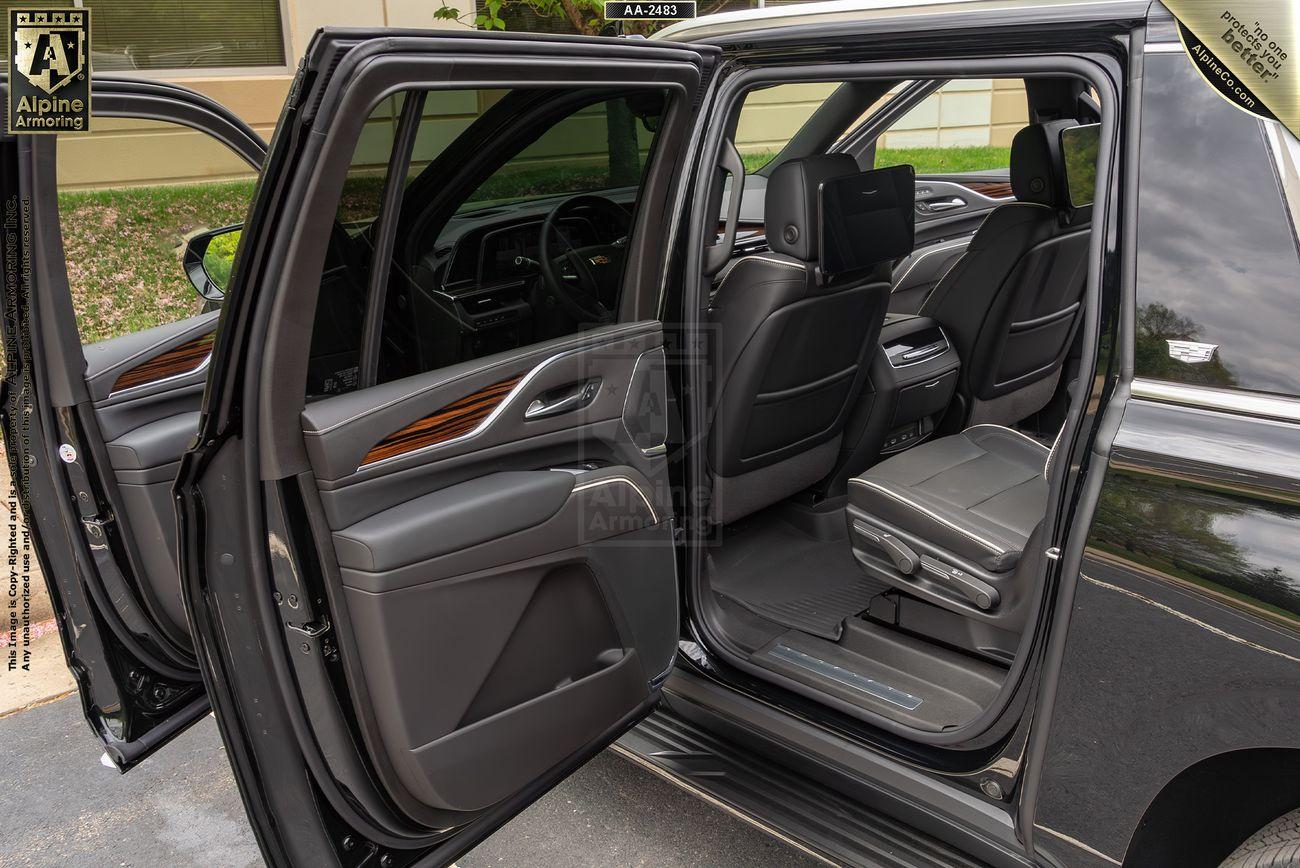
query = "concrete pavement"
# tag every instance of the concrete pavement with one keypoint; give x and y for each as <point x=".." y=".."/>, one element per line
<point x="180" y="807"/>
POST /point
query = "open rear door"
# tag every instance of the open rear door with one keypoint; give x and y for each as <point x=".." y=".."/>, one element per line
<point x="427" y="530"/>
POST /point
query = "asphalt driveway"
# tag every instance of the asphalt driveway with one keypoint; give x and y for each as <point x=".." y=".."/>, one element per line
<point x="180" y="807"/>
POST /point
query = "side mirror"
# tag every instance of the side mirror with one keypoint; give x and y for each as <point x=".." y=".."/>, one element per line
<point x="208" y="258"/>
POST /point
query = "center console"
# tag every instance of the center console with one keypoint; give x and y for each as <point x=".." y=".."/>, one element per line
<point x="915" y="376"/>
<point x="912" y="380"/>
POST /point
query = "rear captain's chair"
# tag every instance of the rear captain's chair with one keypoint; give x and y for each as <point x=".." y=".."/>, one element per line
<point x="791" y="352"/>
<point x="1012" y="302"/>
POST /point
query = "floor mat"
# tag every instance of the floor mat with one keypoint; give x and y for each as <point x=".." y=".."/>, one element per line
<point x="780" y="573"/>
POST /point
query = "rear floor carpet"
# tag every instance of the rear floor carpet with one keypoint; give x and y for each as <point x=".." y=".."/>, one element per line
<point x="779" y="572"/>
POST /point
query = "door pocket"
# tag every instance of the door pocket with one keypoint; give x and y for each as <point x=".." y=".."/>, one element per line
<point x="461" y="669"/>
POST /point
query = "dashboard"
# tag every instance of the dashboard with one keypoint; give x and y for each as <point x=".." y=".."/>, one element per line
<point x="491" y="255"/>
<point x="478" y="288"/>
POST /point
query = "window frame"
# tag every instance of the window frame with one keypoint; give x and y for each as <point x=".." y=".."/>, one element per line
<point x="380" y="68"/>
<point x="392" y="214"/>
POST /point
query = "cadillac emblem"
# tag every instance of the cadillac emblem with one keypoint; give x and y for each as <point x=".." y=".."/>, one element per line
<point x="1191" y="352"/>
<point x="599" y="259"/>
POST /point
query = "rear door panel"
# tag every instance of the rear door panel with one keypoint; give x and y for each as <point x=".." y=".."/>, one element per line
<point x="473" y="569"/>
<point x="508" y="582"/>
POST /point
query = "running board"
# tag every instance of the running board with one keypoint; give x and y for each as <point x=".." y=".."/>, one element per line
<point x="788" y="806"/>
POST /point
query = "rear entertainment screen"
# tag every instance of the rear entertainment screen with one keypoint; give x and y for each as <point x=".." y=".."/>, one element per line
<point x="867" y="218"/>
<point x="1079" y="151"/>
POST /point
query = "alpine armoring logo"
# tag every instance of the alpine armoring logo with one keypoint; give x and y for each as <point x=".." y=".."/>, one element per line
<point x="49" y="70"/>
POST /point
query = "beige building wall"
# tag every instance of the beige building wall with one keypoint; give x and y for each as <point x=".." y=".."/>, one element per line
<point x="960" y="114"/>
<point x="127" y="153"/>
<point x="130" y="153"/>
<point x="963" y="114"/>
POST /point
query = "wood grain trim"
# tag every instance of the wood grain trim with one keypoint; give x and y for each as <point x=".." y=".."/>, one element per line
<point x="992" y="189"/>
<point x="454" y="420"/>
<point x="185" y="358"/>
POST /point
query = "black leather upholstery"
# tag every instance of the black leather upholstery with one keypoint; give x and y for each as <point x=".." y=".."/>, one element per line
<point x="978" y="494"/>
<point x="1037" y="168"/>
<point x="790" y="210"/>
<point x="1012" y="302"/>
<point x="791" y="351"/>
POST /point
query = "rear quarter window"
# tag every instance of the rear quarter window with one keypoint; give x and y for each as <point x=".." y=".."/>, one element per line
<point x="1217" y="255"/>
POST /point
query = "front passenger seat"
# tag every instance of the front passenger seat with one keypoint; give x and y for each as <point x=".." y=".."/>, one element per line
<point x="792" y="350"/>
<point x="1011" y="303"/>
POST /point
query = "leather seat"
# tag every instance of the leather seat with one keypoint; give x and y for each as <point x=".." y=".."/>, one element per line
<point x="978" y="494"/>
<point x="1012" y="302"/>
<point x="953" y="524"/>
<point x="791" y="350"/>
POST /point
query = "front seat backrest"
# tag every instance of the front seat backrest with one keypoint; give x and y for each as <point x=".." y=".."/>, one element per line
<point x="790" y="352"/>
<point x="1011" y="303"/>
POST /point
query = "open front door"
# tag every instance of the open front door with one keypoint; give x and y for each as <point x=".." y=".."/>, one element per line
<point x="427" y="532"/>
<point x="107" y="347"/>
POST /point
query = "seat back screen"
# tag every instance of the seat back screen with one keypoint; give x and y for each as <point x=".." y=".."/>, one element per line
<point x="867" y="218"/>
<point x="1079" y="152"/>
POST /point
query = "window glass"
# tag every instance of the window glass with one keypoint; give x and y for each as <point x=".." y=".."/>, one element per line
<point x="1217" y="260"/>
<point x="964" y="127"/>
<point x="1079" y="146"/>
<point x="131" y="195"/>
<point x="151" y="34"/>
<point x="472" y="272"/>
<point x="770" y="116"/>
<point x="559" y="163"/>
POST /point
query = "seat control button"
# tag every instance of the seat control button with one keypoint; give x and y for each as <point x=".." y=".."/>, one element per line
<point x="906" y="560"/>
<point x="975" y="591"/>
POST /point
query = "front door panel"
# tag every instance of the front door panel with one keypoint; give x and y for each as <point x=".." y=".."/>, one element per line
<point x="145" y="389"/>
<point x="95" y="432"/>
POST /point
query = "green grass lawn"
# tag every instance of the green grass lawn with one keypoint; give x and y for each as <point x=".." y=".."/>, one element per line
<point x="124" y="246"/>
<point x="926" y="161"/>
<point x="124" y="249"/>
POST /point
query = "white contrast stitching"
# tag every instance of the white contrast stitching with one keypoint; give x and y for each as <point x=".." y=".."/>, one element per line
<point x="1012" y="430"/>
<point x="1051" y="454"/>
<point x="903" y="500"/>
<point x="654" y="516"/>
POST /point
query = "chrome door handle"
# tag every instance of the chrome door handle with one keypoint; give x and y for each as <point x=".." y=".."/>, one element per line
<point x="563" y="400"/>
<point x="946" y="204"/>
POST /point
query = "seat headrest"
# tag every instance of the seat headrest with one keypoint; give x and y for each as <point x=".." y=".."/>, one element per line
<point x="1037" y="167"/>
<point x="790" y="211"/>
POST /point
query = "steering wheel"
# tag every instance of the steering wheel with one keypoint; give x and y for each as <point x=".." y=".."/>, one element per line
<point x="584" y="279"/>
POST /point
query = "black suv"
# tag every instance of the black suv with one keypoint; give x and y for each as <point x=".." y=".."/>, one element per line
<point x="923" y="518"/>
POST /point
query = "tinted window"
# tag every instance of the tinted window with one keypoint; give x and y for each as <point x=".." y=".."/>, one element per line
<point x="965" y="126"/>
<point x="472" y="269"/>
<point x="1217" y="260"/>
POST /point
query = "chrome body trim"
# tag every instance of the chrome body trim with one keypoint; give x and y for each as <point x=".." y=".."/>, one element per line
<point x="1277" y="407"/>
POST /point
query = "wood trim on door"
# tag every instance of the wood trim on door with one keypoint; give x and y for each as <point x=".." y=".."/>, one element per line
<point x="992" y="189"/>
<point x="458" y="418"/>
<point x="182" y="359"/>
